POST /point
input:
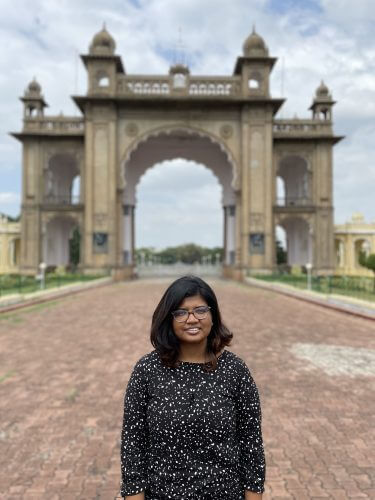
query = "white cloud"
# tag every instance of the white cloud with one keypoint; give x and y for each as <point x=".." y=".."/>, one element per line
<point x="43" y="39"/>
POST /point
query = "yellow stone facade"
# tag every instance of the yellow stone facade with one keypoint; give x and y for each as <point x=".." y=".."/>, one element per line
<point x="83" y="172"/>
<point x="9" y="245"/>
<point x="351" y="238"/>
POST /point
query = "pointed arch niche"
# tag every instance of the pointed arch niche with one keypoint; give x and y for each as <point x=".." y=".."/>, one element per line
<point x="179" y="144"/>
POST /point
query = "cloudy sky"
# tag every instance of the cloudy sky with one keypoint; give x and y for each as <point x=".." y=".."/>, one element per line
<point x="331" y="40"/>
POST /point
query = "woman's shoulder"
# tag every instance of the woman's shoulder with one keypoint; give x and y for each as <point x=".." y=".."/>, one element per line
<point x="147" y="362"/>
<point x="235" y="362"/>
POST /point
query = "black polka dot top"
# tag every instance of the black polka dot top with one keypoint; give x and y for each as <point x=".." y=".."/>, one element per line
<point x="192" y="434"/>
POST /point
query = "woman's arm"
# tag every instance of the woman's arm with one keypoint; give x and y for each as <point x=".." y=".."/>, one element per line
<point x="138" y="496"/>
<point x="249" y="435"/>
<point x="250" y="495"/>
<point x="134" y="436"/>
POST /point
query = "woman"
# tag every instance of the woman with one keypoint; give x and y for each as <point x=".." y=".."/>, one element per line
<point x="192" y="420"/>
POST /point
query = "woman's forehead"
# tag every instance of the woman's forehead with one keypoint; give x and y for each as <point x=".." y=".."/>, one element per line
<point x="193" y="301"/>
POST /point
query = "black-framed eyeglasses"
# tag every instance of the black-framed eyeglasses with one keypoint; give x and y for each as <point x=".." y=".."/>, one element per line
<point x="181" y="315"/>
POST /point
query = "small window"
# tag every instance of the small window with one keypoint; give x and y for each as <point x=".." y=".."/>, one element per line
<point x="253" y="84"/>
<point x="103" y="81"/>
<point x="179" y="81"/>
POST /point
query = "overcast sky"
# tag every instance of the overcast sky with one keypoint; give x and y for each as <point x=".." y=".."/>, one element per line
<point x="331" y="40"/>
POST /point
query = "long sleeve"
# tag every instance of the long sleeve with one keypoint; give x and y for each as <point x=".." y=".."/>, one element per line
<point x="134" y="435"/>
<point x="249" y="434"/>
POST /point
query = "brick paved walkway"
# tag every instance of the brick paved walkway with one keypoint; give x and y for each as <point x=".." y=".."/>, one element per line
<point x="64" y="367"/>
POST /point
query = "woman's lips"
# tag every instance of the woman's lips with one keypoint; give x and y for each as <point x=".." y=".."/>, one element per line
<point x="192" y="331"/>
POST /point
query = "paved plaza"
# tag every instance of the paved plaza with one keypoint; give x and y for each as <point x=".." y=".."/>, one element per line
<point x="64" y="366"/>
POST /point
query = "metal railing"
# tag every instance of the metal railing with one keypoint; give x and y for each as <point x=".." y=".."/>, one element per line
<point x="360" y="287"/>
<point x="21" y="284"/>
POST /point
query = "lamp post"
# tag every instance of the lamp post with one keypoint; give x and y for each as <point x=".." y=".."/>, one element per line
<point x="42" y="267"/>
<point x="308" y="269"/>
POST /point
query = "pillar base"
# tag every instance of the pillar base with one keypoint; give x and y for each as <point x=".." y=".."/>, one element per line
<point x="125" y="273"/>
<point x="234" y="273"/>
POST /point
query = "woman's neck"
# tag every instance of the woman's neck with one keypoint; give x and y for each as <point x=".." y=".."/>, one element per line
<point x="193" y="353"/>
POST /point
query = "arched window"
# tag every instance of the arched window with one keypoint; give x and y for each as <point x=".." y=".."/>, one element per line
<point x="179" y="81"/>
<point x="254" y="81"/>
<point x="102" y="79"/>
<point x="253" y="84"/>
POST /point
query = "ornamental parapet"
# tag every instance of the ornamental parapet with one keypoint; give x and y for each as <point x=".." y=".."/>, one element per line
<point x="298" y="128"/>
<point x="54" y="125"/>
<point x="178" y="84"/>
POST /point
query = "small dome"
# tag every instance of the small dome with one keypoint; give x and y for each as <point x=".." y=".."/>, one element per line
<point x="103" y="43"/>
<point x="179" y="69"/>
<point x="33" y="89"/>
<point x="255" y="46"/>
<point x="322" y="90"/>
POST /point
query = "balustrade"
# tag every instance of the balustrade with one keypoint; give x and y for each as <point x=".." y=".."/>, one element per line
<point x="301" y="126"/>
<point x="294" y="202"/>
<point x="61" y="199"/>
<point x="196" y="86"/>
<point x="55" y="125"/>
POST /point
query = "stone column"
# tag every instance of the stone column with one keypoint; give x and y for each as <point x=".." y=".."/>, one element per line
<point x="229" y="234"/>
<point x="128" y="234"/>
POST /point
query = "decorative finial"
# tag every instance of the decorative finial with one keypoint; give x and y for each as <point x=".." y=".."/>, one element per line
<point x="254" y="30"/>
<point x="104" y="26"/>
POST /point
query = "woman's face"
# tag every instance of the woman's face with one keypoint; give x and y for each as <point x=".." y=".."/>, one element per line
<point x="193" y="330"/>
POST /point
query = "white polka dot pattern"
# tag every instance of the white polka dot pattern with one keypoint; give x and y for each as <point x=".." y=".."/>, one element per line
<point x="192" y="434"/>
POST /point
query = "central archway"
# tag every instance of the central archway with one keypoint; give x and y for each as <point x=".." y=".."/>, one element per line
<point x="186" y="144"/>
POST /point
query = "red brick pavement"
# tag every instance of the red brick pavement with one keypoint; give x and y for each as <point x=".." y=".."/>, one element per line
<point x="64" y="367"/>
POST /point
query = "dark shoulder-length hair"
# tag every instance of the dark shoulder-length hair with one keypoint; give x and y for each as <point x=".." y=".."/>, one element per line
<point x="163" y="337"/>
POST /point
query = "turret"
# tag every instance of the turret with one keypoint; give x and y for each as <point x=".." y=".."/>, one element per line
<point x="322" y="104"/>
<point x="102" y="64"/>
<point x="33" y="101"/>
<point x="255" y="66"/>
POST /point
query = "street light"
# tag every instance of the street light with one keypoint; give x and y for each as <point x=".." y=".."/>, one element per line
<point x="308" y="269"/>
<point x="42" y="267"/>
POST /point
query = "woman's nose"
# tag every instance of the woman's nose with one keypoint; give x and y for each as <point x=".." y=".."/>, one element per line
<point x="191" y="318"/>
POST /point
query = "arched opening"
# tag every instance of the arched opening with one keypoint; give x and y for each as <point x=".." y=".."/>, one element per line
<point x="60" y="232"/>
<point x="75" y="191"/>
<point x="59" y="177"/>
<point x="298" y="241"/>
<point x="32" y="111"/>
<point x="361" y="246"/>
<point x="254" y="81"/>
<point x="102" y="79"/>
<point x="339" y="252"/>
<point x="280" y="191"/>
<point x="281" y="248"/>
<point x="14" y="252"/>
<point x="179" y="159"/>
<point x="179" y="81"/>
<point x="293" y="170"/>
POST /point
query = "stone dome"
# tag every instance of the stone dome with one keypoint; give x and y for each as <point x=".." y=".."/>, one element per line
<point x="322" y="90"/>
<point x="33" y="89"/>
<point x="255" y="46"/>
<point x="179" y="69"/>
<point x="103" y="43"/>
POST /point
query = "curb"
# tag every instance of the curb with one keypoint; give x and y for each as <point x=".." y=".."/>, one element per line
<point x="358" y="308"/>
<point x="23" y="301"/>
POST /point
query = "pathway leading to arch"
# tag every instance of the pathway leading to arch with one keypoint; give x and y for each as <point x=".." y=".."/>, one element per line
<point x="64" y="367"/>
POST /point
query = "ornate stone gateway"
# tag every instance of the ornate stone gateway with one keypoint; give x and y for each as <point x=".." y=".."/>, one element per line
<point x="83" y="172"/>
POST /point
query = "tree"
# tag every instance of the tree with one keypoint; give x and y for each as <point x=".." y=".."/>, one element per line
<point x="368" y="261"/>
<point x="74" y="247"/>
<point x="281" y="255"/>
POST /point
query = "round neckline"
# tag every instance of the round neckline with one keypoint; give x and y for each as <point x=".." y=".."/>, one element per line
<point x="200" y="364"/>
